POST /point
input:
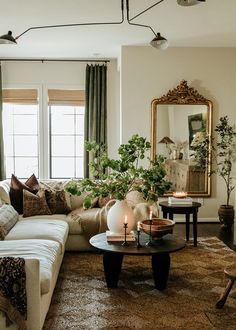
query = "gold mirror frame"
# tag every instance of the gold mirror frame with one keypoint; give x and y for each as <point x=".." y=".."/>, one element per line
<point x="183" y="95"/>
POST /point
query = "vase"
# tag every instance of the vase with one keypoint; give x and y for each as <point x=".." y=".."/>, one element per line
<point x="226" y="216"/>
<point x="116" y="217"/>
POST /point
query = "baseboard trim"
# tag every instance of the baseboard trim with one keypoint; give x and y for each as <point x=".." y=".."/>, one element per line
<point x="199" y="220"/>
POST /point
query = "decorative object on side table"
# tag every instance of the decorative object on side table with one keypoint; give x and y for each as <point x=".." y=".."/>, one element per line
<point x="180" y="194"/>
<point x="180" y="197"/>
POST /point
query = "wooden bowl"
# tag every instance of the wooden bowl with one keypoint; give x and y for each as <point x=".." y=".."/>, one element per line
<point x="159" y="227"/>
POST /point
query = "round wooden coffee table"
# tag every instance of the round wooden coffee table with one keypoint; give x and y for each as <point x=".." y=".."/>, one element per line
<point x="113" y="253"/>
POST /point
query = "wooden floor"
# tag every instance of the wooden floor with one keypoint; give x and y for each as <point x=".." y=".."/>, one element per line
<point x="209" y="229"/>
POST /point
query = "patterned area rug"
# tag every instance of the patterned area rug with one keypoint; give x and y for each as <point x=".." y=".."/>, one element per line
<point x="81" y="299"/>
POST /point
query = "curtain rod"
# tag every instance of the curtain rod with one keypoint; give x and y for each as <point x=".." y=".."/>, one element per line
<point x="52" y="60"/>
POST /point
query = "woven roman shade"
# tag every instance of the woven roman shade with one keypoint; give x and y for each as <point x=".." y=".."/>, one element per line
<point x="20" y="96"/>
<point x="66" y="97"/>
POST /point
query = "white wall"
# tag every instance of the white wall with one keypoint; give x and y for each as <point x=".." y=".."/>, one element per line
<point x="147" y="73"/>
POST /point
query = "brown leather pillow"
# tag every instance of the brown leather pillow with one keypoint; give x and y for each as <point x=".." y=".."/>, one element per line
<point x="16" y="190"/>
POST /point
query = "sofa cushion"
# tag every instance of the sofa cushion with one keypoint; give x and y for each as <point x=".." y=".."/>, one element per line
<point x="88" y="222"/>
<point x="8" y="218"/>
<point x="56" y="185"/>
<point x="16" y="190"/>
<point x="46" y="251"/>
<point x="56" y="201"/>
<point x="134" y="197"/>
<point x="77" y="201"/>
<point x="56" y="230"/>
<point x="74" y="221"/>
<point x="4" y="192"/>
<point x="34" y="204"/>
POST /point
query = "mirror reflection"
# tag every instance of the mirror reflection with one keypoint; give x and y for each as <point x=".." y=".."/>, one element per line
<point x="179" y="120"/>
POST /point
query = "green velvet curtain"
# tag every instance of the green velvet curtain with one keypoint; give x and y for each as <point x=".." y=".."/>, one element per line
<point x="2" y="162"/>
<point x="95" y="108"/>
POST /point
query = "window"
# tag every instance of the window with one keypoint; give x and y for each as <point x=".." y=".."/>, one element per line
<point x="20" y="127"/>
<point x="66" y="141"/>
<point x="66" y="133"/>
<point x="52" y="149"/>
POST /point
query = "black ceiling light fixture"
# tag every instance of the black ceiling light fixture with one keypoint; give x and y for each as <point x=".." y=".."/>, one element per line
<point x="158" y="42"/>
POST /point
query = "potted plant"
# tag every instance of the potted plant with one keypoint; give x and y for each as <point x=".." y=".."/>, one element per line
<point x="115" y="178"/>
<point x="223" y="157"/>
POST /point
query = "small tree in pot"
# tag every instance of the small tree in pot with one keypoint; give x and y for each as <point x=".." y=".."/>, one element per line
<point x="225" y="157"/>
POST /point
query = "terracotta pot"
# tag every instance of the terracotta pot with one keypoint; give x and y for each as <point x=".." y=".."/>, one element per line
<point x="226" y="215"/>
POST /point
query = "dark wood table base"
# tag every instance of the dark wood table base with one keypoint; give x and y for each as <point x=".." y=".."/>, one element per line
<point x="112" y="263"/>
<point x="159" y="253"/>
<point x="170" y="209"/>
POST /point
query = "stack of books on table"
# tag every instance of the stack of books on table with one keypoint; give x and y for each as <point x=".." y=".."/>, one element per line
<point x="185" y="200"/>
<point x="114" y="237"/>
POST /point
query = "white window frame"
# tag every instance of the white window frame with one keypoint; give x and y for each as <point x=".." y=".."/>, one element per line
<point x="43" y="121"/>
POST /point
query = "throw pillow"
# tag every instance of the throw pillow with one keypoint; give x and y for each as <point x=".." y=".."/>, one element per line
<point x="56" y="201"/>
<point x="57" y="198"/>
<point x="16" y="190"/>
<point x="35" y="204"/>
<point x="4" y="192"/>
<point x="8" y="218"/>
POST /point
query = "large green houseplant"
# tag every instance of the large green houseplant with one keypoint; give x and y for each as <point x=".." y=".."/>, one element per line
<point x="114" y="178"/>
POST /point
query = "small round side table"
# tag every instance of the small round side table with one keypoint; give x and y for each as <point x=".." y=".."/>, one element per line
<point x="170" y="209"/>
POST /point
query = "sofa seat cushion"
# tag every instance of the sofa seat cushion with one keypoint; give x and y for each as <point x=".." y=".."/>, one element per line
<point x="44" y="217"/>
<point x="56" y="230"/>
<point x="89" y="222"/>
<point x="46" y="251"/>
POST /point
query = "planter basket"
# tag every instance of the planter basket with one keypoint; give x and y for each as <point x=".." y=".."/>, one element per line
<point x="226" y="215"/>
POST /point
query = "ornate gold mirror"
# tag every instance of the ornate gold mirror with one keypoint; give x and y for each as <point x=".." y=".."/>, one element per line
<point x="178" y="119"/>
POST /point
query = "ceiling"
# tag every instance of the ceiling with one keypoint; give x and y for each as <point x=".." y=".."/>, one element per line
<point x="210" y="24"/>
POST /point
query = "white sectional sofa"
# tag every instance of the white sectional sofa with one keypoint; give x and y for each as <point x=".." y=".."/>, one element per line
<point x="41" y="241"/>
<point x="42" y="245"/>
<point x="82" y="223"/>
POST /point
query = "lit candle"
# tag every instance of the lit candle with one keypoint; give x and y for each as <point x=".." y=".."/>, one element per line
<point x="126" y="219"/>
<point x="150" y="215"/>
<point x="138" y="226"/>
<point x="180" y="194"/>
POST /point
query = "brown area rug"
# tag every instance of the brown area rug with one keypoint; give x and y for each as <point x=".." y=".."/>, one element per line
<point x="82" y="301"/>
